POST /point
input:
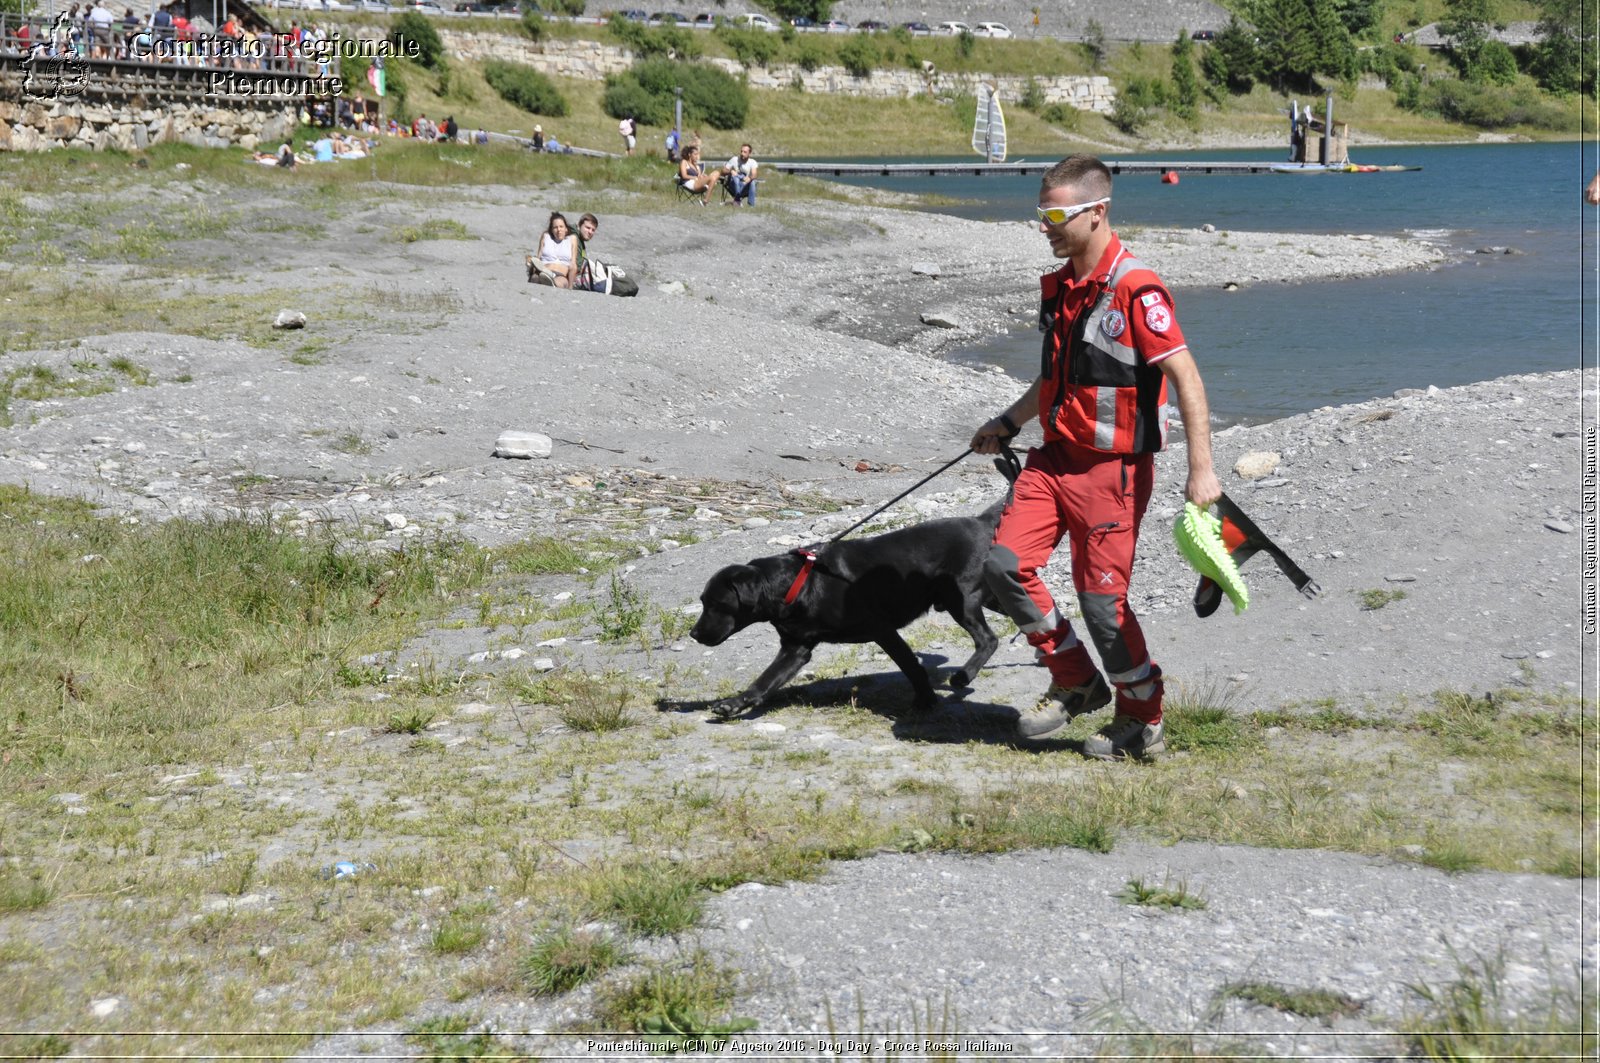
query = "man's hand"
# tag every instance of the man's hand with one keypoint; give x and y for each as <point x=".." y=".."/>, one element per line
<point x="1202" y="488"/>
<point x="1591" y="194"/>
<point x="989" y="436"/>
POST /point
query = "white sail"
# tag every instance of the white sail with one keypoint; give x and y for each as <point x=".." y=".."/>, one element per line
<point x="989" y="127"/>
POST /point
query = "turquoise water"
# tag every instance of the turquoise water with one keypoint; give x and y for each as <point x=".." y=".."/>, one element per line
<point x="1272" y="350"/>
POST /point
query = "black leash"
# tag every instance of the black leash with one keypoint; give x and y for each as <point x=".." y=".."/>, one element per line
<point x="1007" y="463"/>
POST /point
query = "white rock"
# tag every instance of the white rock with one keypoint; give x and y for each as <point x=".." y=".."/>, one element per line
<point x="103" y="1007"/>
<point x="394" y="521"/>
<point x="1257" y="464"/>
<point x="926" y="269"/>
<point x="543" y="664"/>
<point x="941" y="317"/>
<point x="514" y="653"/>
<point x="289" y="319"/>
<point x="517" y="444"/>
<point x="768" y="727"/>
<point x="673" y="288"/>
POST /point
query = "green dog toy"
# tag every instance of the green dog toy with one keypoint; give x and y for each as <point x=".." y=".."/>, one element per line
<point x="1199" y="538"/>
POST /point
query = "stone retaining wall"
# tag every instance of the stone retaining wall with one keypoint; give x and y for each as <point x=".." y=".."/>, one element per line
<point x="38" y="126"/>
<point x="591" y="61"/>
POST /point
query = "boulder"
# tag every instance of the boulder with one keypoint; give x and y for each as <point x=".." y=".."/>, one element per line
<point x="941" y="317"/>
<point x="64" y="127"/>
<point x="1257" y="464"/>
<point x="518" y="444"/>
<point x="289" y="319"/>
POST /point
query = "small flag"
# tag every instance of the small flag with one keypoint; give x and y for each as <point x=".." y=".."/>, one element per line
<point x="375" y="75"/>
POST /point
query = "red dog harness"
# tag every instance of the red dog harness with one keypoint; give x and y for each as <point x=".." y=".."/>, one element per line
<point x="802" y="576"/>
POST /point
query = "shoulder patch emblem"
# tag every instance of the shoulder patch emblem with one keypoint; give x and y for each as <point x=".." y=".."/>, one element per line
<point x="1113" y="323"/>
<point x="1158" y="319"/>
<point x="1150" y="298"/>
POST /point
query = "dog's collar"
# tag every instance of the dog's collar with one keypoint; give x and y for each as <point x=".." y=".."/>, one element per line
<point x="801" y="577"/>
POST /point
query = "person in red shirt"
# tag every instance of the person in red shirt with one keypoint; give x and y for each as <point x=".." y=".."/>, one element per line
<point x="1112" y="348"/>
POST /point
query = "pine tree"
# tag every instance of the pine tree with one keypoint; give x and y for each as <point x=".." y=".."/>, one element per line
<point x="1185" y="89"/>
<point x="1288" y="43"/>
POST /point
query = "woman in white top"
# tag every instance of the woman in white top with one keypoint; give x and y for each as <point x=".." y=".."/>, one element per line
<point x="558" y="252"/>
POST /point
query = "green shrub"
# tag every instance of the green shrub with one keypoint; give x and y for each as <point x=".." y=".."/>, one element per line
<point x="624" y="96"/>
<point x="414" y="37"/>
<point x="752" y="47"/>
<point x="809" y="54"/>
<point x="533" y="24"/>
<point x="1032" y="98"/>
<point x="1490" y="106"/>
<point x="658" y="42"/>
<point x="1494" y="65"/>
<point x="710" y="95"/>
<point x="1062" y="115"/>
<point x="859" y="55"/>
<point x="525" y="87"/>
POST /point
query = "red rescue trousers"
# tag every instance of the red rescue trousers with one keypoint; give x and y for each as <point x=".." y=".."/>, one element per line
<point x="1096" y="501"/>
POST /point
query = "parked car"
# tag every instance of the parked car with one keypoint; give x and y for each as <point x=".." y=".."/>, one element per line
<point x="669" y="18"/>
<point x="755" y="20"/>
<point x="801" y="22"/>
<point x="425" y="7"/>
<point x="919" y="28"/>
<point x="382" y="7"/>
<point x="990" y="29"/>
<point x="834" y="25"/>
<point x="633" y="14"/>
<point x="952" y="29"/>
<point x="1203" y="35"/>
<point x="871" y="25"/>
<point x="704" y="19"/>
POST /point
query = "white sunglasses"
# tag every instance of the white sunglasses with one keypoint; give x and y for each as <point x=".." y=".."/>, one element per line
<point x="1062" y="215"/>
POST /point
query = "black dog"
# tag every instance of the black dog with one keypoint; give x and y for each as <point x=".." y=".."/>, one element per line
<point x="857" y="590"/>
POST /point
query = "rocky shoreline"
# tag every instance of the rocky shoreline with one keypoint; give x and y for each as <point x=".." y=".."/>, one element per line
<point x="774" y="378"/>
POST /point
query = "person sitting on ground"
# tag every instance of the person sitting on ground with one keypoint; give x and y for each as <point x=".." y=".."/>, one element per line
<point x="451" y="131"/>
<point x="593" y="275"/>
<point x="283" y="157"/>
<point x="557" y="261"/>
<point x="538" y="138"/>
<point x="741" y="170"/>
<point x="693" y="178"/>
<point x="323" y="149"/>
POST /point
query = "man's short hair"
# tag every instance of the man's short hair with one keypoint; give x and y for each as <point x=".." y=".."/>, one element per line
<point x="589" y="218"/>
<point x="1084" y="172"/>
<point x="742" y="146"/>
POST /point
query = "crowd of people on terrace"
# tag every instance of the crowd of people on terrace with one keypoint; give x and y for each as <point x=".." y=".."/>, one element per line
<point x="166" y="35"/>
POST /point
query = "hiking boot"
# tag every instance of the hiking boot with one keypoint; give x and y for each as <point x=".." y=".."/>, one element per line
<point x="1060" y="705"/>
<point x="1125" y="736"/>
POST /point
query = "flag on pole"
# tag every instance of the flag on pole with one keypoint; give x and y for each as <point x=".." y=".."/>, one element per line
<point x="375" y="75"/>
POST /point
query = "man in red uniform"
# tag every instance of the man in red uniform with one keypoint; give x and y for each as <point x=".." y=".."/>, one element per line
<point x="1111" y="348"/>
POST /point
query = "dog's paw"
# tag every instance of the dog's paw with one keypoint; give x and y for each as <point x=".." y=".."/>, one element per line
<point x="728" y="708"/>
<point x="960" y="680"/>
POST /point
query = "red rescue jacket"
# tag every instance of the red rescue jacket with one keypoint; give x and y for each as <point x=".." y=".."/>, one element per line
<point x="1101" y="388"/>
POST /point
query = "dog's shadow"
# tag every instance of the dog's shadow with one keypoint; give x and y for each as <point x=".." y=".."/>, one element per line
<point x="956" y="720"/>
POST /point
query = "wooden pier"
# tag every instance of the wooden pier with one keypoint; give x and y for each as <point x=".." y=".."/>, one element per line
<point x="1003" y="169"/>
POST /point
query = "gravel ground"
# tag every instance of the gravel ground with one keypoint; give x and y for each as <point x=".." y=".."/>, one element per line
<point x="781" y="353"/>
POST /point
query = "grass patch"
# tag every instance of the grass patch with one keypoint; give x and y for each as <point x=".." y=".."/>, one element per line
<point x="452" y="1039"/>
<point x="462" y="930"/>
<point x="433" y="229"/>
<point x="540" y="556"/>
<point x="686" y="1002"/>
<point x="565" y="958"/>
<point x="1472" y="1017"/>
<point x="1378" y="597"/>
<point x="1177" y="897"/>
<point x="1325" y="1004"/>
<point x="623" y="615"/>
<point x="653" y="899"/>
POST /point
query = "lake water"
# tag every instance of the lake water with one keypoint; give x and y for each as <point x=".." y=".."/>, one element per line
<point x="1271" y="350"/>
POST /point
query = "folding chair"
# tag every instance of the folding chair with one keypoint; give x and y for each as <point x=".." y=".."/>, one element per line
<point x="685" y="193"/>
